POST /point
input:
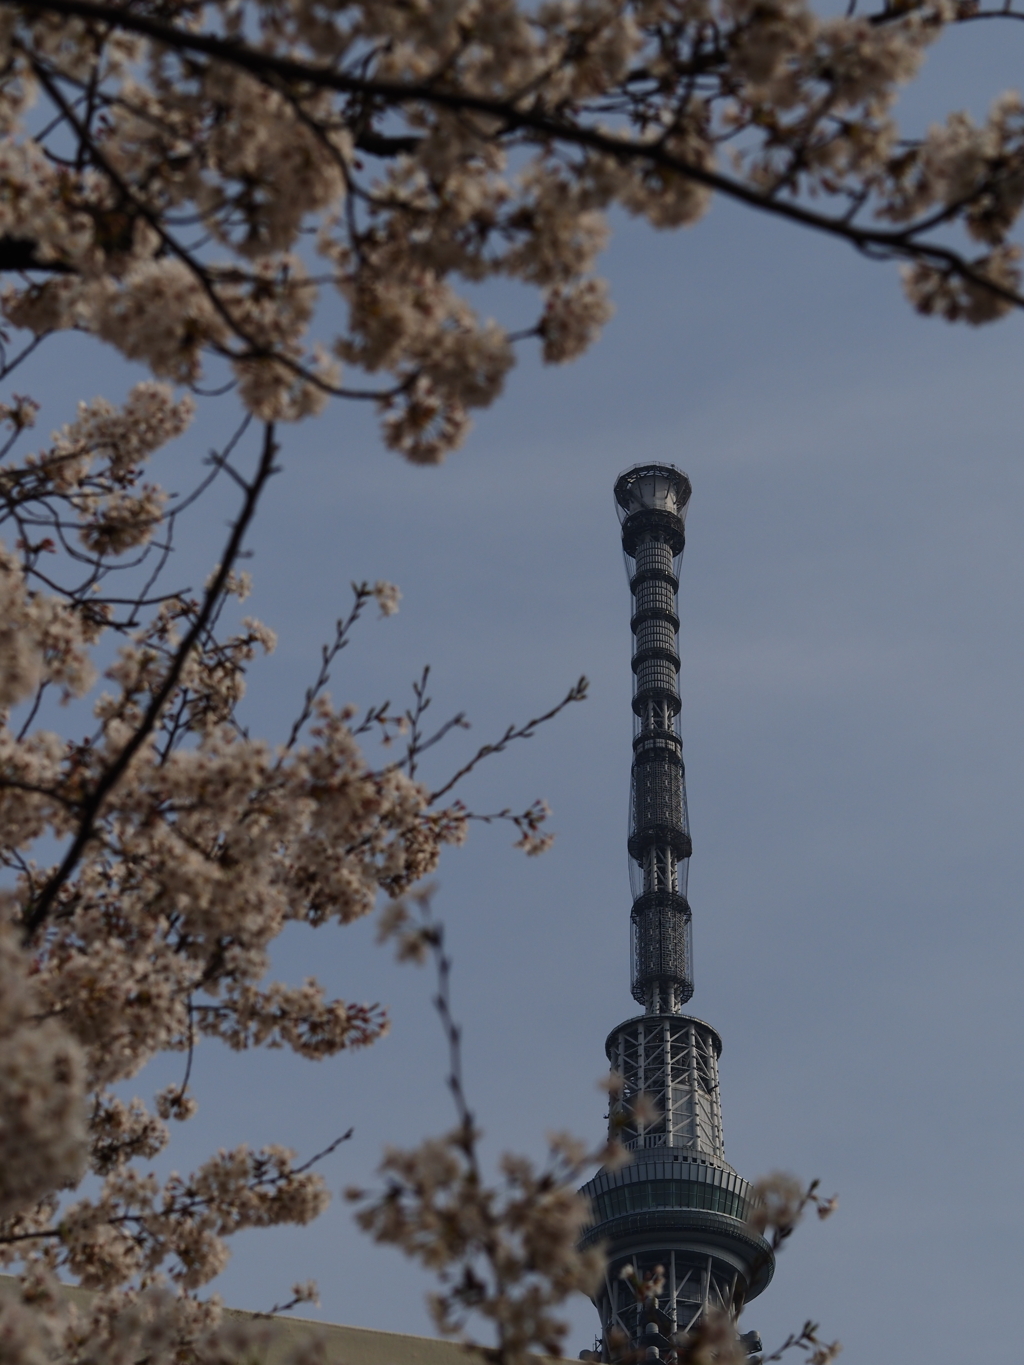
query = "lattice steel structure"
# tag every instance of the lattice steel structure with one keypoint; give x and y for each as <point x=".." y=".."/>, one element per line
<point x="673" y="1221"/>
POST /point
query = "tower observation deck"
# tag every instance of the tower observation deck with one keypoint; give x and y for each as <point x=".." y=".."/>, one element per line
<point x="673" y="1221"/>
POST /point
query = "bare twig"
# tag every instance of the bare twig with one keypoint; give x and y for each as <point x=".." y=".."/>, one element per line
<point x="577" y="692"/>
<point x="362" y="593"/>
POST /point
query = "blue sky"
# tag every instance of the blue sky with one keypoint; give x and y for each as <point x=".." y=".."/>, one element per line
<point x="852" y="659"/>
<point x="851" y="607"/>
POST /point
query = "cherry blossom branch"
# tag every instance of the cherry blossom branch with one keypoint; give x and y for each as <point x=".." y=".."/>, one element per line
<point x="203" y="276"/>
<point x="39" y="908"/>
<point x="808" y="1341"/>
<point x="878" y="244"/>
<point x="265" y="1171"/>
<point x="301" y="1293"/>
<point x="480" y="1239"/>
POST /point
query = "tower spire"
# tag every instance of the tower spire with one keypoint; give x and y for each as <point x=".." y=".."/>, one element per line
<point x="673" y="1220"/>
<point x="651" y="501"/>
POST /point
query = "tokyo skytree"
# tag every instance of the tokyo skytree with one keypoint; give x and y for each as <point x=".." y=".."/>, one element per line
<point x="673" y="1219"/>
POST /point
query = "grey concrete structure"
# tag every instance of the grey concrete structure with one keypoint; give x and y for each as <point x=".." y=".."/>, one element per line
<point x="673" y="1221"/>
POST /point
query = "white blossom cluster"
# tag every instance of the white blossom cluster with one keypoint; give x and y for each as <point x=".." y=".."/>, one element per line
<point x="234" y="167"/>
<point x="183" y="848"/>
<point x="507" y="1254"/>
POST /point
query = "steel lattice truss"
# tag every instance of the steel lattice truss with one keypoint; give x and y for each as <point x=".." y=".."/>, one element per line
<point x="673" y="1061"/>
<point x="691" y="1288"/>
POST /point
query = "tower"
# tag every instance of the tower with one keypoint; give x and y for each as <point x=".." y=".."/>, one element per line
<point x="673" y="1219"/>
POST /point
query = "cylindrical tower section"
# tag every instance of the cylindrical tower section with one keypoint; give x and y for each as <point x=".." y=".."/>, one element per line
<point x="678" y="1229"/>
<point x="651" y="501"/>
<point x="672" y="1060"/>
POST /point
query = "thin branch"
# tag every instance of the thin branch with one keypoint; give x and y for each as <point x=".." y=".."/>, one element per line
<point x="191" y="1052"/>
<point x="189" y="1201"/>
<point x="576" y="693"/>
<point x="431" y="935"/>
<point x="319" y="1156"/>
<point x="328" y="653"/>
<point x="807" y="1340"/>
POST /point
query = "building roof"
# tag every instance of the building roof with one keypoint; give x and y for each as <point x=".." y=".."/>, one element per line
<point x="342" y="1345"/>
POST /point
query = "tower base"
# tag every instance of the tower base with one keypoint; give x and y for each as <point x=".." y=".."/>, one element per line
<point x="673" y="1222"/>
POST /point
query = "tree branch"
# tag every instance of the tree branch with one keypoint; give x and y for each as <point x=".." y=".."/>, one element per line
<point x="19" y="253"/>
<point x="898" y="244"/>
<point x="577" y="692"/>
<point x="37" y="910"/>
